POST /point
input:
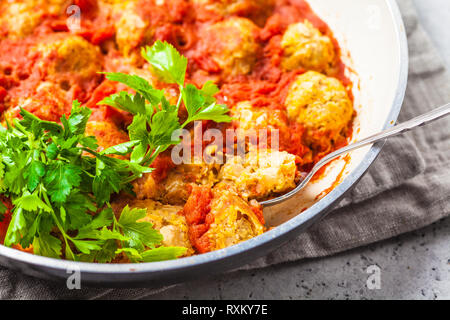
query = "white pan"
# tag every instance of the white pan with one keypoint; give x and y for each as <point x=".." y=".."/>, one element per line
<point x="372" y="36"/>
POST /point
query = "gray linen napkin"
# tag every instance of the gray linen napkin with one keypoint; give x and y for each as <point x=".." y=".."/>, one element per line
<point x="392" y="198"/>
<point x="407" y="188"/>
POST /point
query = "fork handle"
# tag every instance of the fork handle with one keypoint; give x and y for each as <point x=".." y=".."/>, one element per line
<point x="391" y="132"/>
<point x="396" y="130"/>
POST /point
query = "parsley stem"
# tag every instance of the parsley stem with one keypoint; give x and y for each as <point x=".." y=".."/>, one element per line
<point x="151" y="155"/>
<point x="186" y="123"/>
<point x="55" y="218"/>
<point x="180" y="97"/>
<point x="61" y="229"/>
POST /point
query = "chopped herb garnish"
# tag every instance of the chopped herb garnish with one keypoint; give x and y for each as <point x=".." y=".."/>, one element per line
<point x="155" y="118"/>
<point x="61" y="186"/>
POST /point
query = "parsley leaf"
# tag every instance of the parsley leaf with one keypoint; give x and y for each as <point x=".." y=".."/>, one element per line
<point x="163" y="253"/>
<point x="61" y="187"/>
<point x="201" y="104"/>
<point x="137" y="83"/>
<point x="215" y="112"/>
<point x="57" y="188"/>
<point x="47" y="245"/>
<point x="156" y="128"/>
<point x="162" y="125"/>
<point x="134" y="104"/>
<point x="141" y="233"/>
<point x="17" y="228"/>
<point x="34" y="173"/>
<point x="167" y="62"/>
<point x="31" y="202"/>
<point x="76" y="123"/>
<point x="60" y="179"/>
<point x="121" y="149"/>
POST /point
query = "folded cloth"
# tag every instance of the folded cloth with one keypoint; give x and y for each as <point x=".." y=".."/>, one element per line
<point x="407" y="188"/>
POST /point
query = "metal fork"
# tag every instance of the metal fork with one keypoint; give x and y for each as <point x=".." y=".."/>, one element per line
<point x="392" y="132"/>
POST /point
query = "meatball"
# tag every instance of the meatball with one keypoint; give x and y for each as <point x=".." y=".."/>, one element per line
<point x="234" y="220"/>
<point x="248" y="117"/>
<point x="49" y="102"/>
<point x="321" y="104"/>
<point x="219" y="218"/>
<point x="306" y="47"/>
<point x="232" y="45"/>
<point x="175" y="188"/>
<point x="261" y="173"/>
<point x="73" y="55"/>
<point x="107" y="133"/>
<point x="251" y="120"/>
<point x="226" y="7"/>
<point x="169" y="221"/>
<point x="20" y="19"/>
<point x="258" y="9"/>
<point x="132" y="31"/>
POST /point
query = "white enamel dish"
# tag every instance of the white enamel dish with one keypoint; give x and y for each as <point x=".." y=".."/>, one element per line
<point x="372" y="36"/>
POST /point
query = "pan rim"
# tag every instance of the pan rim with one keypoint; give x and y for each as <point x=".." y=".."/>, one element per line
<point x="316" y="211"/>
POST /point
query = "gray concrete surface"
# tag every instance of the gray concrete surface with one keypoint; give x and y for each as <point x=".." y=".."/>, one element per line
<point x="412" y="266"/>
<point x="435" y="17"/>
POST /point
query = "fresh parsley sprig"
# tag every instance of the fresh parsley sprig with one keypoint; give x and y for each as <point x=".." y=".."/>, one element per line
<point x="60" y="187"/>
<point x="155" y="118"/>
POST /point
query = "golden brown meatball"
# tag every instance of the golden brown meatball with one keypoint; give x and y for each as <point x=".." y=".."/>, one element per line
<point x="232" y="45"/>
<point x="248" y="117"/>
<point x="49" y="102"/>
<point x="107" y="133"/>
<point x="322" y="105"/>
<point x="175" y="188"/>
<point x="265" y="126"/>
<point x="132" y="30"/>
<point x="305" y="47"/>
<point x="19" y="18"/>
<point x="169" y="221"/>
<point x="22" y="17"/>
<point x="234" y="220"/>
<point x="72" y="54"/>
<point x="226" y="7"/>
<point x="261" y="173"/>
<point x="257" y="10"/>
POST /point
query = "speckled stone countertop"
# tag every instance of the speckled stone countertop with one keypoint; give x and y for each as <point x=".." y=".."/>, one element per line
<point x="412" y="266"/>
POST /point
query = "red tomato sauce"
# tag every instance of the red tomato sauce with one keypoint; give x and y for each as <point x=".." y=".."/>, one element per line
<point x="4" y="222"/>
<point x="197" y="212"/>
<point x="22" y="72"/>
